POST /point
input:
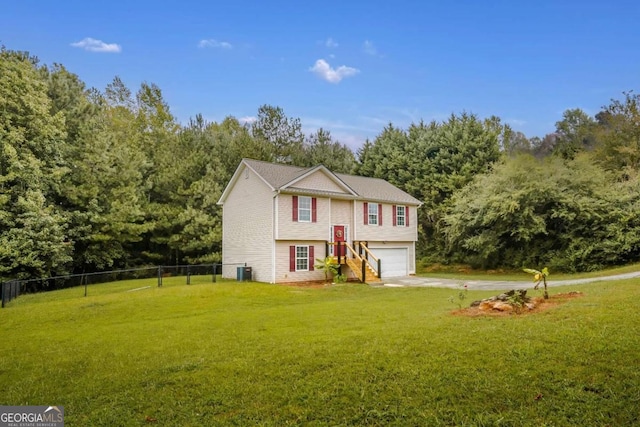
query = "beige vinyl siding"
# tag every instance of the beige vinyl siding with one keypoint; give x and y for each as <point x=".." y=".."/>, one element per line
<point x="386" y="231"/>
<point x="247" y="232"/>
<point x="283" y="275"/>
<point x="287" y="229"/>
<point x="319" y="181"/>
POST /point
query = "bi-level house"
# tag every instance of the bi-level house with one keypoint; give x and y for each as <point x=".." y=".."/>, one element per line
<point x="280" y="219"/>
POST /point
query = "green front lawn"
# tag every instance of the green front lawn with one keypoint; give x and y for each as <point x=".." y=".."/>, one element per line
<point x="255" y="354"/>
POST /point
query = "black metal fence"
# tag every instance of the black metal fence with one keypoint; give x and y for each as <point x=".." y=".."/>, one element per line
<point x="11" y="289"/>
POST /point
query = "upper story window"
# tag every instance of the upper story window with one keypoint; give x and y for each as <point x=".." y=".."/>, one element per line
<point x="372" y="214"/>
<point x="401" y="215"/>
<point x="304" y="209"/>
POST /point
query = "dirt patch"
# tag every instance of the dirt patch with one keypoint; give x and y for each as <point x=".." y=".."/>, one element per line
<point x="308" y="285"/>
<point x="540" y="305"/>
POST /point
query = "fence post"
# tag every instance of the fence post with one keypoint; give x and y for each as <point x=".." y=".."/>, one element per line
<point x="215" y="271"/>
<point x="2" y="285"/>
<point x="84" y="278"/>
<point x="379" y="268"/>
<point x="159" y="276"/>
<point x="188" y="276"/>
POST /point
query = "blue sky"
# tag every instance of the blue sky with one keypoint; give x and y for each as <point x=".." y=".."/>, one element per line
<point x="350" y="67"/>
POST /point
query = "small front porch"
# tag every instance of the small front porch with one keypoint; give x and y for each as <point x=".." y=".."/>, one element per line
<point x="366" y="267"/>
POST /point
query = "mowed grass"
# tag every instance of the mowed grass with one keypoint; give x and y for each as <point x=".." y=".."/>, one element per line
<point x="256" y="354"/>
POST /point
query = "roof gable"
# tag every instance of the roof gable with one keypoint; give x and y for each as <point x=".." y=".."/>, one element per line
<point x="319" y="179"/>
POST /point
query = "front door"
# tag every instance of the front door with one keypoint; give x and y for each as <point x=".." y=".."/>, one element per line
<point x="339" y="236"/>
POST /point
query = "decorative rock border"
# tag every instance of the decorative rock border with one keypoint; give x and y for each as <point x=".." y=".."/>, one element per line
<point x="513" y="300"/>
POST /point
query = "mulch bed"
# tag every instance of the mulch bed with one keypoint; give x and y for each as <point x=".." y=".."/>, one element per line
<point x="542" y="305"/>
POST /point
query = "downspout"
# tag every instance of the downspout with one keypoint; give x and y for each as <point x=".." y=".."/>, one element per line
<point x="274" y="236"/>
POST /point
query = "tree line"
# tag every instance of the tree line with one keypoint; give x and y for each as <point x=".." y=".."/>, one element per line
<point x="495" y="198"/>
<point x="93" y="179"/>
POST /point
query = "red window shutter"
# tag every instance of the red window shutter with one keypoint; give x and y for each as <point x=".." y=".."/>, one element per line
<point x="314" y="207"/>
<point x="366" y="213"/>
<point x="292" y="258"/>
<point x="311" y="259"/>
<point x="379" y="214"/>
<point x="393" y="214"/>
<point x="295" y="209"/>
<point x="406" y="216"/>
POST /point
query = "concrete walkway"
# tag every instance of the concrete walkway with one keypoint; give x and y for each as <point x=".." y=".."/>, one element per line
<point x="492" y="285"/>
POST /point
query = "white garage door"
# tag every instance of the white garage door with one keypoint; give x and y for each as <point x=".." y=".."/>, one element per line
<point x="395" y="261"/>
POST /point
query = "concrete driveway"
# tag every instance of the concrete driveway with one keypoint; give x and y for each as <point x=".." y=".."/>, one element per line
<point x="492" y="285"/>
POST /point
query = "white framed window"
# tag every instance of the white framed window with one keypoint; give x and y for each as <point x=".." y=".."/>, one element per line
<point x="401" y="216"/>
<point x="302" y="258"/>
<point x="373" y="214"/>
<point x="304" y="209"/>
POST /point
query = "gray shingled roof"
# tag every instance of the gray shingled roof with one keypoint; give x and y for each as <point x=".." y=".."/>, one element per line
<point x="275" y="174"/>
<point x="373" y="189"/>
<point x="377" y="189"/>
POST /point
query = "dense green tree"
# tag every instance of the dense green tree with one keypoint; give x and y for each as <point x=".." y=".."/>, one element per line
<point x="283" y="135"/>
<point x="386" y="156"/>
<point x="32" y="239"/>
<point x="110" y="192"/>
<point x="515" y="142"/>
<point x="321" y="149"/>
<point x="431" y="162"/>
<point x="574" y="133"/>
<point x="567" y="215"/>
<point x="619" y="133"/>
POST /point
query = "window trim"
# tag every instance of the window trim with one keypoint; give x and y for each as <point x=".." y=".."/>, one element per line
<point x="401" y="218"/>
<point x="372" y="218"/>
<point x="294" y="257"/>
<point x="304" y="258"/>
<point x="295" y="211"/>
<point x="308" y="210"/>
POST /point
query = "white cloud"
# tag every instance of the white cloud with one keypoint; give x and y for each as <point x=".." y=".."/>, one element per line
<point x="247" y="120"/>
<point x="323" y="70"/>
<point x="369" y="48"/>
<point x="331" y="43"/>
<point x="516" y="122"/>
<point x="93" y="45"/>
<point x="215" y="44"/>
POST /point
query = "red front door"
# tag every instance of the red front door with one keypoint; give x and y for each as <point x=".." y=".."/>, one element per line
<point x="339" y="236"/>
